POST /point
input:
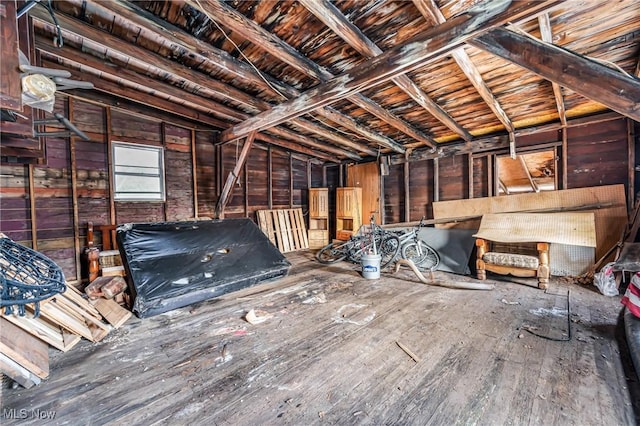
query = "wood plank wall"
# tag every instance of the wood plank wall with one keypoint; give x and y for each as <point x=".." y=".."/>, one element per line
<point x="53" y="213"/>
<point x="597" y="154"/>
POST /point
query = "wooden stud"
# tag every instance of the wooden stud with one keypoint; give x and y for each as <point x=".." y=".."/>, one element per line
<point x="163" y="141"/>
<point x="245" y="173"/>
<point x="112" y="203"/>
<point x="565" y="160"/>
<point x="74" y="192"/>
<point x="436" y="179"/>
<point x="290" y="181"/>
<point x="194" y="172"/>
<point x="470" y="172"/>
<point x="32" y="207"/>
<point x="407" y="194"/>
<point x="631" y="147"/>
<point x="490" y="183"/>
<point x="270" y="178"/>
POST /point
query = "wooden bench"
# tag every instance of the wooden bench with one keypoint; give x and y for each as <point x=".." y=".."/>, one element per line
<point x="518" y="243"/>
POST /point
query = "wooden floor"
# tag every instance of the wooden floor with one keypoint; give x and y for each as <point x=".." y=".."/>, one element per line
<point x="330" y="354"/>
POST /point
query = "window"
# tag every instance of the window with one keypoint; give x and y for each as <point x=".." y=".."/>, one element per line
<point x="138" y="172"/>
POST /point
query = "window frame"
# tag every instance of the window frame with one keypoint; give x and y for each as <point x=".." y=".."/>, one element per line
<point x="120" y="196"/>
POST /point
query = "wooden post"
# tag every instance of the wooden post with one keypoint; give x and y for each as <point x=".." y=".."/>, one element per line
<point x="246" y="190"/>
<point x="631" y="147"/>
<point x="194" y="172"/>
<point x="407" y="194"/>
<point x="163" y="139"/>
<point x="309" y="174"/>
<point x="32" y="206"/>
<point x="324" y="176"/>
<point x="74" y="192"/>
<point x="233" y="177"/>
<point x="112" y="203"/>
<point x="269" y="178"/>
<point x="490" y="182"/>
<point x="436" y="180"/>
<point x="565" y="158"/>
<point x="290" y="180"/>
<point x="381" y="202"/>
<point x="470" y="171"/>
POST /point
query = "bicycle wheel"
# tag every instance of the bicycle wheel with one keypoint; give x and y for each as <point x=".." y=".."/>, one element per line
<point x="389" y="250"/>
<point x="423" y="256"/>
<point x="332" y="253"/>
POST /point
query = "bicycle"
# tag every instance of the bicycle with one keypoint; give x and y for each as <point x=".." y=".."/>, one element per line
<point x="387" y="244"/>
<point x="417" y="250"/>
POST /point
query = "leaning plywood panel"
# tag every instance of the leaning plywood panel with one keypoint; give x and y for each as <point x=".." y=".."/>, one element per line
<point x="608" y="203"/>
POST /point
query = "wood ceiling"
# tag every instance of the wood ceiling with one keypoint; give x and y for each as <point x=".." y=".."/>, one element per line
<point x="352" y="79"/>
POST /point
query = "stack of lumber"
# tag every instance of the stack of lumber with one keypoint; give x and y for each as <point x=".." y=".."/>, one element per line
<point x="63" y="321"/>
<point x="285" y="228"/>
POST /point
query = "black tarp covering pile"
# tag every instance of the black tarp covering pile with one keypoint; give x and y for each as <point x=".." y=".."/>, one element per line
<point x="175" y="264"/>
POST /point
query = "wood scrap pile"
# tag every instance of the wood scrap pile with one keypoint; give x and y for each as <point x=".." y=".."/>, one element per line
<point x="64" y="319"/>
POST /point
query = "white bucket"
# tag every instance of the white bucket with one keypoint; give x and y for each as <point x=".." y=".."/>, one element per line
<point x="371" y="266"/>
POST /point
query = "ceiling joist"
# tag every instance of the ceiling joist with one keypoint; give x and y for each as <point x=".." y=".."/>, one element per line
<point x="339" y="24"/>
<point x="547" y="36"/>
<point x="228" y="17"/>
<point x="429" y="9"/>
<point x="406" y="57"/>
<point x="576" y="72"/>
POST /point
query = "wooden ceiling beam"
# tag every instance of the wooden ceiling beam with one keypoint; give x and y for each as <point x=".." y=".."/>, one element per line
<point x="570" y="70"/>
<point x="333" y="18"/>
<point x="182" y="44"/>
<point x="105" y="86"/>
<point x="141" y="60"/>
<point x="547" y="35"/>
<point x="432" y="13"/>
<point x="228" y="17"/>
<point x="169" y="103"/>
<point x="428" y="46"/>
<point x="128" y="78"/>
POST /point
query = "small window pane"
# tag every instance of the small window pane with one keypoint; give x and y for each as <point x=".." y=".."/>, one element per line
<point x="138" y="172"/>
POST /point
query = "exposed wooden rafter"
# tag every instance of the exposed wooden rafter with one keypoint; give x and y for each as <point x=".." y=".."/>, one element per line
<point x="429" y="9"/>
<point x="430" y="45"/>
<point x="135" y="63"/>
<point x="547" y="36"/>
<point x="339" y="24"/>
<point x="576" y="72"/>
<point x="180" y="43"/>
<point x="230" y="18"/>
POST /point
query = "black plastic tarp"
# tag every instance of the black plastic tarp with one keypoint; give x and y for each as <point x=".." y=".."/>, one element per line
<point x="174" y="264"/>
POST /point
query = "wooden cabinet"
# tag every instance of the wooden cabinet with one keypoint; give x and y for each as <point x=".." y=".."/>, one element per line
<point x="318" y="217"/>
<point x="348" y="212"/>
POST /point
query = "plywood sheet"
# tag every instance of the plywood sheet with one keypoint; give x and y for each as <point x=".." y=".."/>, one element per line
<point x="572" y="261"/>
<point x="576" y="229"/>
<point x="609" y="203"/>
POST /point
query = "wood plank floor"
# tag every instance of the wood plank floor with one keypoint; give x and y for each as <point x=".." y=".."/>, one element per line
<point x="329" y="355"/>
